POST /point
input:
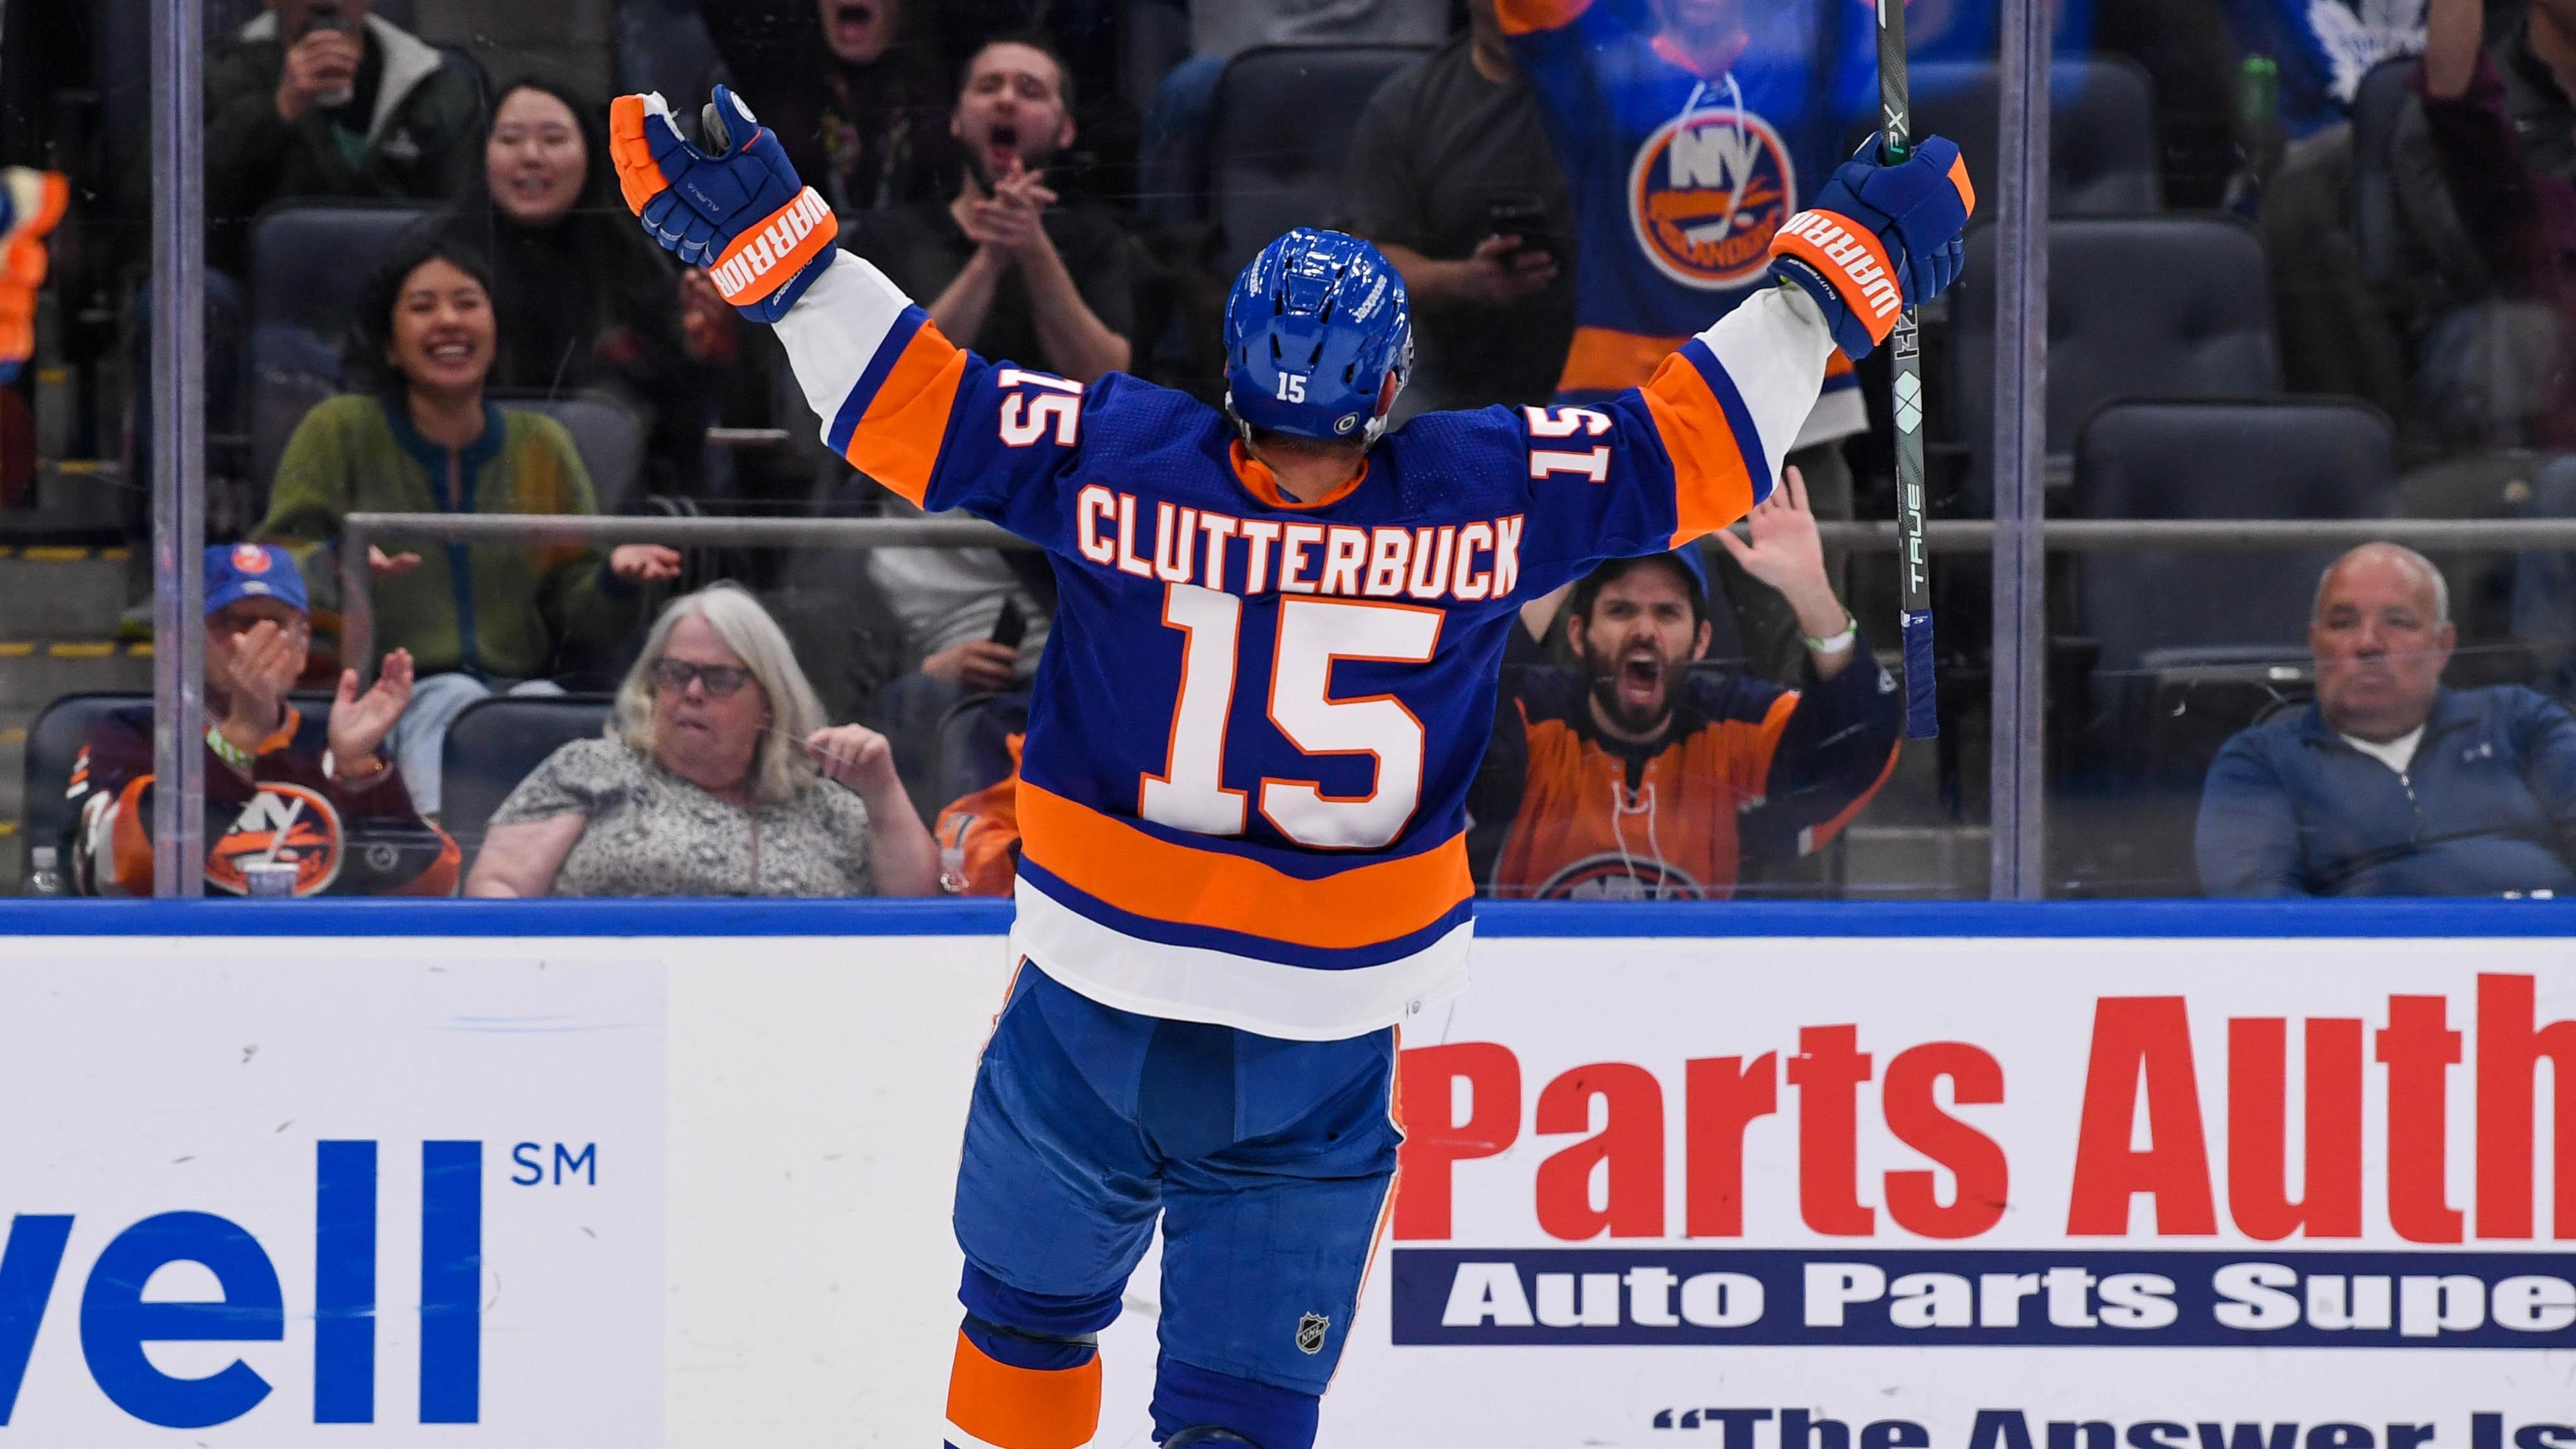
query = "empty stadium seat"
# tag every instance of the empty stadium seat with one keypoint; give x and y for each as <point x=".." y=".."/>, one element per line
<point x="309" y="261"/>
<point x="2101" y="130"/>
<point x="2378" y="104"/>
<point x="1284" y="119"/>
<point x="608" y="435"/>
<point x="493" y="745"/>
<point x="2161" y="306"/>
<point x="2277" y="458"/>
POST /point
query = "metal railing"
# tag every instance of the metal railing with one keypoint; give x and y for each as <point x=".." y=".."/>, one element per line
<point x="1949" y="536"/>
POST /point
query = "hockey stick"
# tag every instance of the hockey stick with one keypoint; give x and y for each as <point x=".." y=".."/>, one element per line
<point x="1905" y="353"/>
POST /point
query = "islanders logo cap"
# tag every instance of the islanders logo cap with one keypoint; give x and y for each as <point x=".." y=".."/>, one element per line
<point x="238" y="571"/>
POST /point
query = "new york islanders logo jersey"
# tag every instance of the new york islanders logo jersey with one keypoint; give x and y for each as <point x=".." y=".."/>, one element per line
<point x="1680" y="179"/>
<point x="1243" y="785"/>
<point x="1707" y="193"/>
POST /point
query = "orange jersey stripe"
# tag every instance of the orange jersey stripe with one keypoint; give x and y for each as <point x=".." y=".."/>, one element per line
<point x="1605" y="361"/>
<point x="1520" y="17"/>
<point x="1017" y="1408"/>
<point x="897" y="440"/>
<point x="1145" y="875"/>
<point x="1817" y="837"/>
<point x="1711" y="487"/>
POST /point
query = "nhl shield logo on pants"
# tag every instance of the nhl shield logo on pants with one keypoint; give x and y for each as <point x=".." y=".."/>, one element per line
<point x="1310" y="1332"/>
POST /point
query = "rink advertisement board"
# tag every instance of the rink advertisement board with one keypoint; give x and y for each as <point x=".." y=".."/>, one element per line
<point x="1984" y="1178"/>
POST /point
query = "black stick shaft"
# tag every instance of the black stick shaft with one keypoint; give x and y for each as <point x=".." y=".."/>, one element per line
<point x="1905" y="352"/>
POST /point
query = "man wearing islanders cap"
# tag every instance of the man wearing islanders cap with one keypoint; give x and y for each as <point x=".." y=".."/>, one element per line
<point x="1636" y="776"/>
<point x="282" y="787"/>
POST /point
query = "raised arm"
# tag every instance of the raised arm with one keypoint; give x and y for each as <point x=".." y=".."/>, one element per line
<point x="1701" y="443"/>
<point x="901" y="402"/>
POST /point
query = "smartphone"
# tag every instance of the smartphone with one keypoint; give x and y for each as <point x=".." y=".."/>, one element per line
<point x="1524" y="217"/>
<point x="1010" y="627"/>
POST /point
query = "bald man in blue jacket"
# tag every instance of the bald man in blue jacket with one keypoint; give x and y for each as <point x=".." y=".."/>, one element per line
<point x="2390" y="784"/>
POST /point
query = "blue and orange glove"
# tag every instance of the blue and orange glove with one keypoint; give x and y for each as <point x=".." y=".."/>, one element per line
<point x="762" y="235"/>
<point x="31" y="206"/>
<point x="1879" y="239"/>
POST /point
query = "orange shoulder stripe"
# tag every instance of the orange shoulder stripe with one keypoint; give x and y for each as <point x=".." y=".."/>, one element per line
<point x="1146" y="875"/>
<point x="898" y="438"/>
<point x="1711" y="487"/>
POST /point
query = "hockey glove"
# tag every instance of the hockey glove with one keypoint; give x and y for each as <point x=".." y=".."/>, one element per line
<point x="1879" y="239"/>
<point x="31" y="206"/>
<point x="741" y="213"/>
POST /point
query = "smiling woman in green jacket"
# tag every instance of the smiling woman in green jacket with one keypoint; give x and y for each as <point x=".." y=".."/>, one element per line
<point x="478" y="620"/>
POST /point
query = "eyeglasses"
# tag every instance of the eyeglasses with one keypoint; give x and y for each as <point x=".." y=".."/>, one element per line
<point x="723" y="681"/>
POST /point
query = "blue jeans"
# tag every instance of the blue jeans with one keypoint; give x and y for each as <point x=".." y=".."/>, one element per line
<point x="419" y="739"/>
<point x="1269" y="1162"/>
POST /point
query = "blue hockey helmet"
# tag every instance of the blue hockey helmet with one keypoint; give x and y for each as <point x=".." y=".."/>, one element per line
<point x="1313" y="329"/>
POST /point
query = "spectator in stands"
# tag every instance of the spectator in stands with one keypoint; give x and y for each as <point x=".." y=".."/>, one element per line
<point x="1174" y="163"/>
<point x="579" y="297"/>
<point x="320" y="99"/>
<point x="1451" y="175"/>
<point x="2503" y="132"/>
<point x="479" y="619"/>
<point x="860" y="114"/>
<point x="283" y="788"/>
<point x="1013" y="273"/>
<point x="1689" y="137"/>
<point x="717" y="776"/>
<point x="1010" y="271"/>
<point x="2389" y="783"/>
<point x="2323" y="48"/>
<point x="1633" y="777"/>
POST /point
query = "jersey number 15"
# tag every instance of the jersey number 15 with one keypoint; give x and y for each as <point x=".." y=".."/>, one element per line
<point x="1191" y="795"/>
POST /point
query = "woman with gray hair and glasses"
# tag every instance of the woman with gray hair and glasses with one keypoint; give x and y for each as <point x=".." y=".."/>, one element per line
<point x="716" y="776"/>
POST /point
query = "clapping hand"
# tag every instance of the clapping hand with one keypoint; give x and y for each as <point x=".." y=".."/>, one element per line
<point x="1009" y="220"/>
<point x="265" y="659"/>
<point x="360" y="722"/>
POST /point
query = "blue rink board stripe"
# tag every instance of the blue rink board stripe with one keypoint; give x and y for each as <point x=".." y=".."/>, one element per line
<point x="1498" y="920"/>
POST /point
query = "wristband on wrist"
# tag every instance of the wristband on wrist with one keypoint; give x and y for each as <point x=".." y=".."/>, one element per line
<point x="228" y="752"/>
<point x="1835" y="643"/>
<point x="375" y="765"/>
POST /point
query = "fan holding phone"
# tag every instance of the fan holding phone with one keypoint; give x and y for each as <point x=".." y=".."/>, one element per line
<point x="1452" y="175"/>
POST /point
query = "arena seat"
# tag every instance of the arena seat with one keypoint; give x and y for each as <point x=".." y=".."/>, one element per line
<point x="1284" y="119"/>
<point x="2263" y="458"/>
<point x="2163" y="306"/>
<point x="309" y="261"/>
<point x="2101" y="130"/>
<point x="308" y="264"/>
<point x="608" y="434"/>
<point x="2378" y="105"/>
<point x="493" y="745"/>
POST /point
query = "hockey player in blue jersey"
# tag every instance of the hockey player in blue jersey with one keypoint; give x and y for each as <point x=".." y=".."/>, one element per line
<point x="1242" y="802"/>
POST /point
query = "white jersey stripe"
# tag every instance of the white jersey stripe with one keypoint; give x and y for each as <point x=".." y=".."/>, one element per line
<point x="834" y="330"/>
<point x="1193" y="983"/>
<point x="1773" y="347"/>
